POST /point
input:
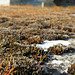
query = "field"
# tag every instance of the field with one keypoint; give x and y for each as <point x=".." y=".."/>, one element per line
<point x="23" y="27"/>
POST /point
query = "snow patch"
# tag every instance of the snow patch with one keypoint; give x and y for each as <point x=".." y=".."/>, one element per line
<point x="57" y="62"/>
<point x="48" y="44"/>
<point x="73" y="14"/>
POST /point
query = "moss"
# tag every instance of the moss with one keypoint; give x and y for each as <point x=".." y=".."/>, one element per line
<point x="71" y="70"/>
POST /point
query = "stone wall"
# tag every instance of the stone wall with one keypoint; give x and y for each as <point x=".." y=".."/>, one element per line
<point x="47" y="2"/>
<point x="30" y="2"/>
<point x="33" y="2"/>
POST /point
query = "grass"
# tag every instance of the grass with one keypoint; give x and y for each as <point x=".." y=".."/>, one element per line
<point x="7" y="69"/>
<point x="21" y="11"/>
<point x="27" y="22"/>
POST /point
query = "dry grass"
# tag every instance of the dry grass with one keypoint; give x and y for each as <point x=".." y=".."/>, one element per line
<point x="22" y="11"/>
<point x="29" y="25"/>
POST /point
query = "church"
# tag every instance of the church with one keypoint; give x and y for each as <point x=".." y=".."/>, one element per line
<point x="38" y="2"/>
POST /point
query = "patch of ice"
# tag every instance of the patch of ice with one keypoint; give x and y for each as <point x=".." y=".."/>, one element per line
<point x="57" y="62"/>
<point x="62" y="62"/>
<point x="48" y="44"/>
